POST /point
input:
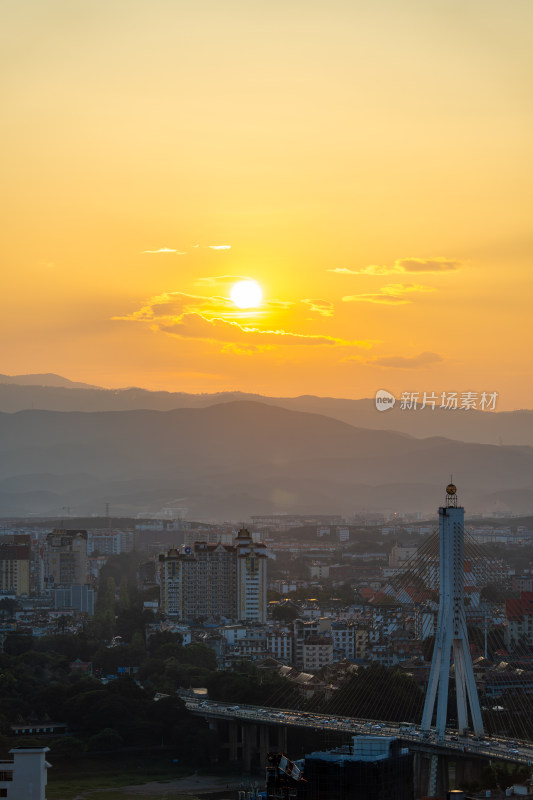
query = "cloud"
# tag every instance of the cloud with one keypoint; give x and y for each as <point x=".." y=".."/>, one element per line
<point x="392" y="294"/>
<point x="221" y="280"/>
<point x="322" y="307"/>
<point x="197" y="326"/>
<point x="213" y="318"/>
<point x="407" y="362"/>
<point x="375" y="269"/>
<point x="171" y="304"/>
<point x="428" y="264"/>
<point x="166" y="250"/>
<point x="162" y="306"/>
<point x="184" y="252"/>
<point x="344" y="271"/>
<point x="281" y="304"/>
<point x="404" y="266"/>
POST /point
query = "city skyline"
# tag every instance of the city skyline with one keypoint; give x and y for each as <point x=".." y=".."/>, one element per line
<point x="368" y="167"/>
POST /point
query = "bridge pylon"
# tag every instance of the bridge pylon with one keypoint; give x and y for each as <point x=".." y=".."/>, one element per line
<point x="451" y="634"/>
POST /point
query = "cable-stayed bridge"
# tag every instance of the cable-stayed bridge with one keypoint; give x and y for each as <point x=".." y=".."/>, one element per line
<point x="439" y="574"/>
<point x="413" y="737"/>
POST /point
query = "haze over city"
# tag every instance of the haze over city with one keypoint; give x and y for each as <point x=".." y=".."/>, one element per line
<point x="266" y="415"/>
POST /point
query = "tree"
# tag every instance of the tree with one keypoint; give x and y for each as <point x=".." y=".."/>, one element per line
<point x="124" y="597"/>
<point x="379" y="693"/>
<point x="199" y="655"/>
<point x="107" y="739"/>
<point x="105" y="599"/>
<point x="17" y="643"/>
<point x="493" y="593"/>
<point x="63" y="622"/>
<point x="160" y="638"/>
<point x="152" y="670"/>
<point x="285" y="612"/>
<point x="68" y="747"/>
<point x="251" y="685"/>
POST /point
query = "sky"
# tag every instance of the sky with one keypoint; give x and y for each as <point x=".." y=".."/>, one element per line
<point x="369" y="165"/>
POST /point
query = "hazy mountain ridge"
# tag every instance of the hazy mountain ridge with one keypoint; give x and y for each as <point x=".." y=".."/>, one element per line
<point x="46" y="379"/>
<point x="513" y="427"/>
<point x="240" y="458"/>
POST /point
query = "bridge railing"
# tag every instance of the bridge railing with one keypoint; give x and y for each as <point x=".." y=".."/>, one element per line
<point x="500" y="748"/>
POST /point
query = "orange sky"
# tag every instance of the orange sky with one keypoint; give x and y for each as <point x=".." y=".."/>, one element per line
<point x="369" y="164"/>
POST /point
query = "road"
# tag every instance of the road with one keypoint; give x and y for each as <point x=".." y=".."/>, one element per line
<point x="511" y="750"/>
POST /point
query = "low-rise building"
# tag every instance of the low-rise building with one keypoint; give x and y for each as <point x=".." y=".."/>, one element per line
<point x="374" y="767"/>
<point x="318" y="571"/>
<point x="400" y="555"/>
<point x="304" y="630"/>
<point x="360" y="643"/>
<point x="519" y="614"/>
<point x="343" y="534"/>
<point x="257" y="642"/>
<point x="280" y="645"/>
<point x="317" y="653"/>
<point x="78" y="599"/>
<point x="343" y="636"/>
<point x="522" y="583"/>
<point x="25" y="776"/>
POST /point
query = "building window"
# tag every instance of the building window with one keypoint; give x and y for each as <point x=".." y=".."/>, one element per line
<point x="6" y="775"/>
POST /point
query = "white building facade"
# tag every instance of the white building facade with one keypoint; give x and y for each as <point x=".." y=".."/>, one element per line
<point x="24" y="778"/>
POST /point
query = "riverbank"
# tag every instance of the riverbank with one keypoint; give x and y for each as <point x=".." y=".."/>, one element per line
<point x="140" y="777"/>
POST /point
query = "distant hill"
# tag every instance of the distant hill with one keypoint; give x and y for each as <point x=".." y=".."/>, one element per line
<point x="46" y="379"/>
<point x="507" y="428"/>
<point x="235" y="459"/>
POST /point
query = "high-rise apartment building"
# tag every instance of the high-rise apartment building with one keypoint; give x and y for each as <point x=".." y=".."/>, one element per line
<point x="251" y="578"/>
<point x="215" y="580"/>
<point x="111" y="542"/>
<point x="198" y="581"/>
<point x="15" y="564"/>
<point x="65" y="558"/>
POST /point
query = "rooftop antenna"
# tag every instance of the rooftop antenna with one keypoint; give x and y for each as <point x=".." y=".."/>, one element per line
<point x="451" y="494"/>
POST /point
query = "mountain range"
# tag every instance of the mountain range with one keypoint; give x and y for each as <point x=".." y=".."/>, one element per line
<point x="55" y="393"/>
<point x="234" y="459"/>
<point x="44" y="379"/>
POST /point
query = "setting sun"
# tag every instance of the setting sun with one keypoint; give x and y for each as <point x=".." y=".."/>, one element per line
<point x="230" y="201"/>
<point x="246" y="294"/>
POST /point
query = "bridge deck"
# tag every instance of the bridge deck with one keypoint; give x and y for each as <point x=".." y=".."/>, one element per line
<point x="500" y="748"/>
